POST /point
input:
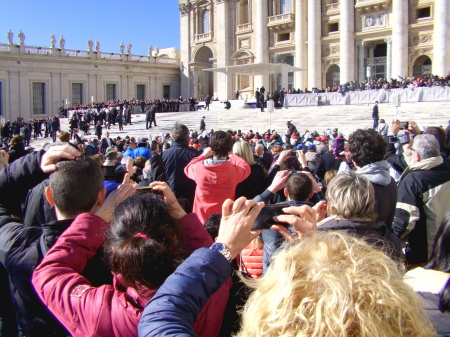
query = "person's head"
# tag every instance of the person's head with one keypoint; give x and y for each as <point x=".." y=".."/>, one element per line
<point x="64" y="136"/>
<point x="351" y="196"/>
<point x="139" y="161"/>
<point x="333" y="285"/>
<point x="299" y="187"/>
<point x="165" y="146"/>
<point x="221" y="143"/>
<point x="259" y="149"/>
<point x="155" y="147"/>
<point x="212" y="225"/>
<point x="143" y="241"/>
<point x="382" y="121"/>
<point x="438" y="133"/>
<point x="180" y="133"/>
<point x="132" y="145"/>
<point x="439" y="259"/>
<point x="76" y="187"/>
<point x="244" y="150"/>
<point x="424" y="147"/>
<point x="366" y="146"/>
<point x="276" y="149"/>
<point x="329" y="175"/>
<point x="17" y="142"/>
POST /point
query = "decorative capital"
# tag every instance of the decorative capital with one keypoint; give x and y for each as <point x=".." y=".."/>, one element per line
<point x="388" y="40"/>
<point x="184" y="7"/>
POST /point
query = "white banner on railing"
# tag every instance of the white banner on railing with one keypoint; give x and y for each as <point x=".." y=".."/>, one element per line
<point x="421" y="94"/>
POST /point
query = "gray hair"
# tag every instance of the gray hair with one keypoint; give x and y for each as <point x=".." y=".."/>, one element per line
<point x="426" y="146"/>
<point x="259" y="147"/>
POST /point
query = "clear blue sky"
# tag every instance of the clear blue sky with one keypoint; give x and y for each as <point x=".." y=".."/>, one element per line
<point x="141" y="22"/>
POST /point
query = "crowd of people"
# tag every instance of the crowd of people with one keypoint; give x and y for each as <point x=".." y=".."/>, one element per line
<point x="310" y="234"/>
<point x="381" y="83"/>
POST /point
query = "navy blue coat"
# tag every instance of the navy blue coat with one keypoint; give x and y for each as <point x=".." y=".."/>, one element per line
<point x="175" y="160"/>
<point x="177" y="303"/>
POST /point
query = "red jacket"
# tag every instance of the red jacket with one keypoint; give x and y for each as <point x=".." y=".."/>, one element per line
<point x="250" y="261"/>
<point x="215" y="183"/>
<point x="109" y="310"/>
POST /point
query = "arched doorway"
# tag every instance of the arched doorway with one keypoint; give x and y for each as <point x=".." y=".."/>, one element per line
<point x="422" y="66"/>
<point x="333" y="76"/>
<point x="203" y="80"/>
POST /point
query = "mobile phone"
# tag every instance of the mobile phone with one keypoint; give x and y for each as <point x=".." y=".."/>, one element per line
<point x="294" y="153"/>
<point x="265" y="217"/>
<point x="404" y="125"/>
<point x="148" y="190"/>
<point x="339" y="146"/>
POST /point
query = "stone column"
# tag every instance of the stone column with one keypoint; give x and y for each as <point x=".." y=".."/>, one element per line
<point x="301" y="78"/>
<point x="361" y="56"/>
<point x="346" y="33"/>
<point x="222" y="33"/>
<point x="399" y="24"/>
<point x="388" y="58"/>
<point x="314" y="45"/>
<point x="185" y="50"/>
<point x="441" y="37"/>
<point x="262" y="40"/>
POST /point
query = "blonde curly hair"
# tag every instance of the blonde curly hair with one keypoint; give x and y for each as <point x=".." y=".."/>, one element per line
<point x="333" y="285"/>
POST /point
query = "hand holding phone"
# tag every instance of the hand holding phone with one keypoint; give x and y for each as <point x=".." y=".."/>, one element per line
<point x="265" y="217"/>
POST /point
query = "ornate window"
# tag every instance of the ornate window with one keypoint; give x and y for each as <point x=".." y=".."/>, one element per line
<point x="205" y="22"/>
<point x="285" y="6"/>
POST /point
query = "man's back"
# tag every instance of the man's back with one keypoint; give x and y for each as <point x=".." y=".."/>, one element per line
<point x="175" y="160"/>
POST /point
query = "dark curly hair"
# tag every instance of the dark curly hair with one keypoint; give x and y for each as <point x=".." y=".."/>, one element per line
<point x="367" y="146"/>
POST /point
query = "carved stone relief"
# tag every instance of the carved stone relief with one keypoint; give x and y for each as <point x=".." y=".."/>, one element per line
<point x="422" y="38"/>
<point x="371" y="21"/>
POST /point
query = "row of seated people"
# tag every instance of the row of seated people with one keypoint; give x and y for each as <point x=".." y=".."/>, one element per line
<point x="98" y="256"/>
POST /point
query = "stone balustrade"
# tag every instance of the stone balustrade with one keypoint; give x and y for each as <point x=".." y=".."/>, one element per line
<point x="244" y="28"/>
<point x="332" y="9"/>
<point x="281" y="19"/>
<point x="203" y="37"/>
<point x="58" y="52"/>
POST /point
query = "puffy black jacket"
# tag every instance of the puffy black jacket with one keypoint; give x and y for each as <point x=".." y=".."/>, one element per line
<point x="22" y="248"/>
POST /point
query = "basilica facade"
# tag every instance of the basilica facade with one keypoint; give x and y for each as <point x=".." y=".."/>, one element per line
<point x="332" y="41"/>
